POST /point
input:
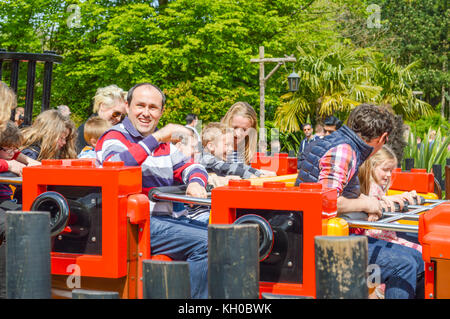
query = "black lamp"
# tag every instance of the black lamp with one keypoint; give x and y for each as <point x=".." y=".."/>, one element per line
<point x="293" y="80"/>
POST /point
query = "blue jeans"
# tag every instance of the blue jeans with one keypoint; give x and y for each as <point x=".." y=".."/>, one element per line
<point x="402" y="268"/>
<point x="183" y="239"/>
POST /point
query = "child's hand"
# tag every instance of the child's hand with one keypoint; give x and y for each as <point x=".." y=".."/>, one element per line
<point x="218" y="181"/>
<point x="32" y="162"/>
<point x="408" y="196"/>
<point x="373" y="217"/>
<point x="15" y="167"/>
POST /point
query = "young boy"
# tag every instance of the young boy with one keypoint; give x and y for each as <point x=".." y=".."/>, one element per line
<point x="217" y="144"/>
<point x="93" y="129"/>
<point x="185" y="143"/>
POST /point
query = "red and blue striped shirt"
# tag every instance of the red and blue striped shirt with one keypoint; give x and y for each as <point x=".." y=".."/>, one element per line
<point x="162" y="164"/>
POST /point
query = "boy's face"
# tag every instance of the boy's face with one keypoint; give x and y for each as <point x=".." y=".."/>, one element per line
<point x="7" y="153"/>
<point x="223" y="145"/>
<point x="190" y="148"/>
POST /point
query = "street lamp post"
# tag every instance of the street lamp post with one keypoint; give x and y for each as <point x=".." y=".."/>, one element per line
<point x="262" y="83"/>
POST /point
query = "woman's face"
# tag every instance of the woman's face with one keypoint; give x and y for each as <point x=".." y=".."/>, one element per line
<point x="241" y="126"/>
<point x="62" y="139"/>
<point x="383" y="172"/>
<point x="113" y="114"/>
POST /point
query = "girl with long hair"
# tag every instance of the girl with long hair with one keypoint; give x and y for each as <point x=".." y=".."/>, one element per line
<point x="51" y="136"/>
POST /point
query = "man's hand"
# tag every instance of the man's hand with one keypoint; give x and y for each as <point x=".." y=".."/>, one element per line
<point x="15" y="167"/>
<point x="373" y="207"/>
<point x="164" y="134"/>
<point x="370" y="205"/>
<point x="195" y="189"/>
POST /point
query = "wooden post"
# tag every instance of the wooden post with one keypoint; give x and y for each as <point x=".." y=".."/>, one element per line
<point x="447" y="182"/>
<point x="437" y="172"/>
<point x="233" y="261"/>
<point x="262" y="85"/>
<point x="28" y="255"/>
<point x="94" y="294"/>
<point x="166" y="279"/>
<point x="341" y="264"/>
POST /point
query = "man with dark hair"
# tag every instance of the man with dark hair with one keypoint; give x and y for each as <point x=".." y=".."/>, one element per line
<point x="137" y="142"/>
<point x="334" y="162"/>
<point x="331" y="124"/>
<point x="191" y="123"/>
<point x="309" y="137"/>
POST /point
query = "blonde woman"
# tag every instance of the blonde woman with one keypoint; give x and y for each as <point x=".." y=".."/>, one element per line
<point x="51" y="136"/>
<point x="109" y="104"/>
<point x="242" y="118"/>
<point x="8" y="102"/>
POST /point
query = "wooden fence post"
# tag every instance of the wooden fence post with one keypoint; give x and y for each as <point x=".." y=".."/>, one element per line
<point x="166" y="279"/>
<point x="341" y="264"/>
<point x="28" y="255"/>
<point x="233" y="261"/>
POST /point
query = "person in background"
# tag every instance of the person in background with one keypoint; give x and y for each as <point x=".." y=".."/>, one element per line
<point x="94" y="128"/>
<point x="191" y="123"/>
<point x="64" y="109"/>
<point x="431" y="139"/>
<point x="19" y="116"/>
<point x="109" y="104"/>
<point x="309" y="138"/>
<point x="331" y="124"/>
<point x="318" y="130"/>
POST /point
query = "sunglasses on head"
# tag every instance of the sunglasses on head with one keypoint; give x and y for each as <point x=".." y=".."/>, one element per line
<point x="118" y="114"/>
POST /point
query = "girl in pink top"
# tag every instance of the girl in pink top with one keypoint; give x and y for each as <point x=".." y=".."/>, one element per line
<point x="375" y="178"/>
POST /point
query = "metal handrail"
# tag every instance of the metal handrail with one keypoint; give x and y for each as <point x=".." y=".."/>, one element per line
<point x="167" y="197"/>
<point x="387" y="223"/>
<point x="384" y="226"/>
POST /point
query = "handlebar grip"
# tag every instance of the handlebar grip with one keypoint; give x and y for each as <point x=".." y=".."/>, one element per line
<point x="419" y="200"/>
<point x="178" y="190"/>
<point x="8" y="174"/>
<point x="354" y="216"/>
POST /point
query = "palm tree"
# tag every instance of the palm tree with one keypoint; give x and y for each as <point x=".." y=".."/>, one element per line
<point x="333" y="81"/>
<point x="340" y="78"/>
<point x="397" y="92"/>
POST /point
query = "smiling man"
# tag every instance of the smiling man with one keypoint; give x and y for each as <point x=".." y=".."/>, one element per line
<point x="137" y="142"/>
